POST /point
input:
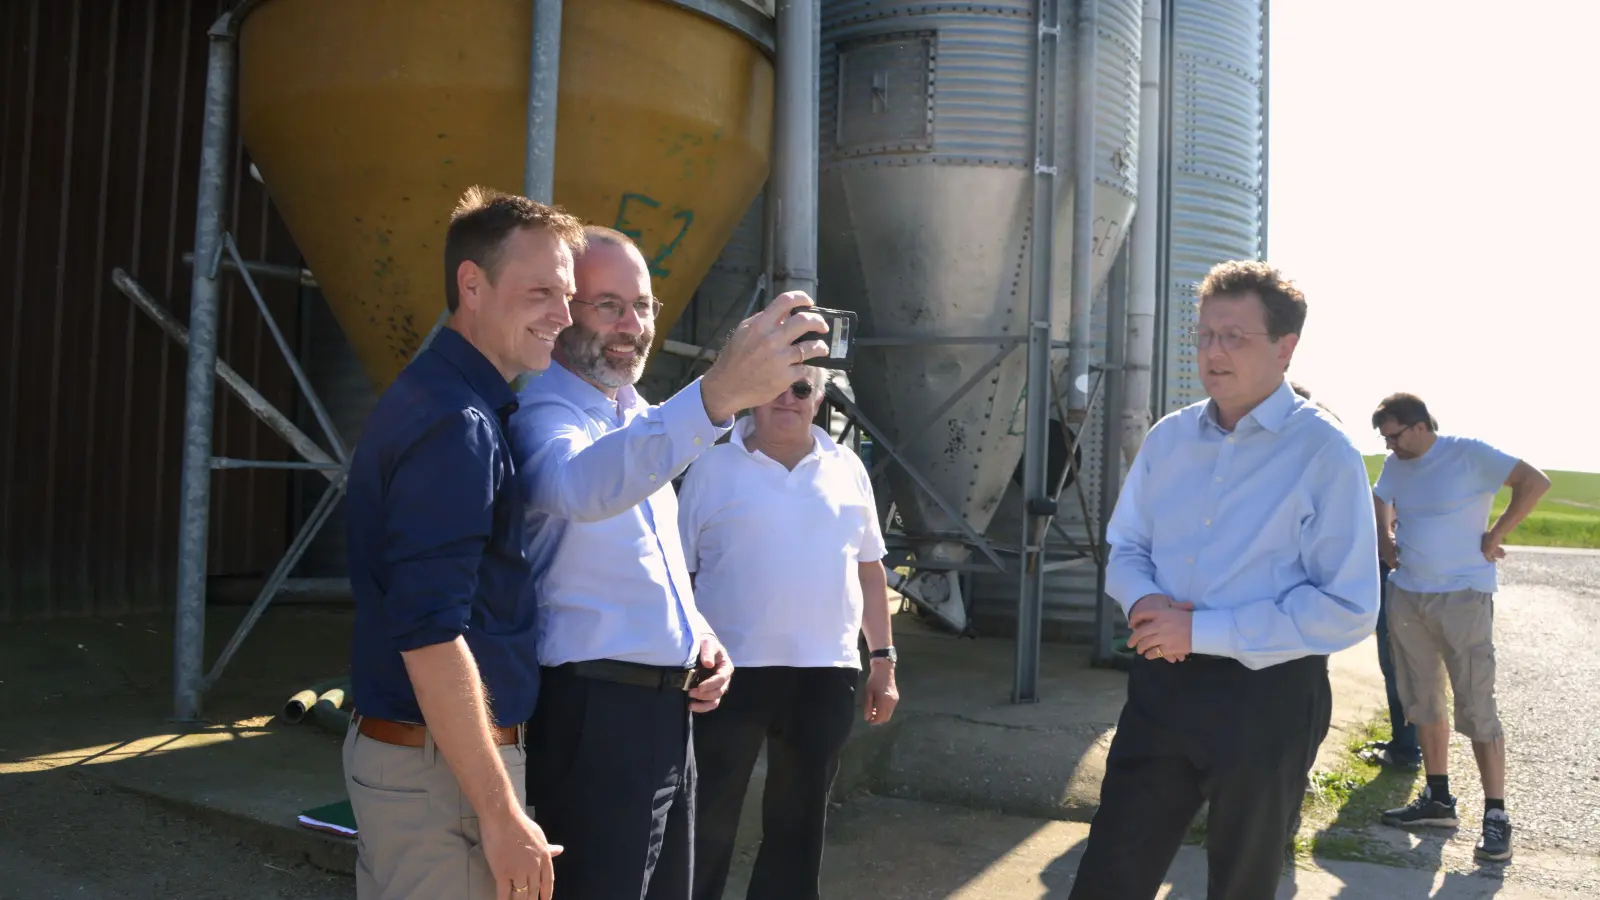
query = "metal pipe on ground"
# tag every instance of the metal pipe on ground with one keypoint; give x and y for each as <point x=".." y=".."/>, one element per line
<point x="216" y="159"/>
<point x="1143" y="252"/>
<point x="794" y="148"/>
<point x="329" y="712"/>
<point x="1081" y="335"/>
<point x="299" y="705"/>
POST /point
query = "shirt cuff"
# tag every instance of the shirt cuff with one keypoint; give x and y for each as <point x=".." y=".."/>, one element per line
<point x="686" y="421"/>
<point x="1212" y="632"/>
<point x="1127" y="595"/>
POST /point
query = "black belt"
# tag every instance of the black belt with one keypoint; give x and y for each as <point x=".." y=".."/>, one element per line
<point x="657" y="678"/>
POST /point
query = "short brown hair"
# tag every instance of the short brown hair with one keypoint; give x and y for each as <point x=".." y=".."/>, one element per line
<point x="1405" y="409"/>
<point x="482" y="221"/>
<point x="1285" y="305"/>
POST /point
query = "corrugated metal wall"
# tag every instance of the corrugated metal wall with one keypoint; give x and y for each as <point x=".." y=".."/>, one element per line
<point x="99" y="141"/>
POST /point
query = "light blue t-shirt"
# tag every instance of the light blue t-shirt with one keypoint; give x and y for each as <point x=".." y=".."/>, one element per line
<point x="1442" y="501"/>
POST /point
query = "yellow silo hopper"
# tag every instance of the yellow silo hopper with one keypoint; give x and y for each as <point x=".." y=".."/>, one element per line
<point x="368" y="118"/>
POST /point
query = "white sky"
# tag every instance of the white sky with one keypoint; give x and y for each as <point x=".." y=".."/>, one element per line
<point x="1434" y="184"/>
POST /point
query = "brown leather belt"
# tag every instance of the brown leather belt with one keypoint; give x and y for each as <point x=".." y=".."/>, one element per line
<point x="405" y="734"/>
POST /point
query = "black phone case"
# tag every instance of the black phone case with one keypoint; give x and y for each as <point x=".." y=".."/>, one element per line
<point x="840" y="337"/>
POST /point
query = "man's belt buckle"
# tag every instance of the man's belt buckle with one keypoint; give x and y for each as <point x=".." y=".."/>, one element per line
<point x="689" y="679"/>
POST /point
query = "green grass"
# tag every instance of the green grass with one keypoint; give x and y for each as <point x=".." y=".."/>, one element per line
<point x="1343" y="805"/>
<point x="1567" y="516"/>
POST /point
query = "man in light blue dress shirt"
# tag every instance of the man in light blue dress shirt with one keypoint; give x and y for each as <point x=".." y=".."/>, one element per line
<point x="621" y="646"/>
<point x="1242" y="550"/>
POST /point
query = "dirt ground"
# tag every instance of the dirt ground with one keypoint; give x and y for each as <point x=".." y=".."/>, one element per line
<point x="64" y="835"/>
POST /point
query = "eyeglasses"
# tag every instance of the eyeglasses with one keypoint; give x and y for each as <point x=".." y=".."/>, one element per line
<point x="1392" y="437"/>
<point x="801" y="389"/>
<point x="1231" y="339"/>
<point x="611" y="310"/>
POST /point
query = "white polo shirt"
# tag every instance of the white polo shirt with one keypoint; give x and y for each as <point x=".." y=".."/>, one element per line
<point x="776" y="551"/>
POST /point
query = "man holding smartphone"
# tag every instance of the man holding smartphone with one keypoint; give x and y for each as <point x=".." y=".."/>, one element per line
<point x="611" y="769"/>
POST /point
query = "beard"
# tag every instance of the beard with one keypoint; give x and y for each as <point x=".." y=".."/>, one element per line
<point x="586" y="355"/>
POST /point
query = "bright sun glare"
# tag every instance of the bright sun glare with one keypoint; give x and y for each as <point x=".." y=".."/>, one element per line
<point x="1431" y="190"/>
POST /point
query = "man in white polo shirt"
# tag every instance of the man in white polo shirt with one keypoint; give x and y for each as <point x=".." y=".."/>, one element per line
<point x="789" y="610"/>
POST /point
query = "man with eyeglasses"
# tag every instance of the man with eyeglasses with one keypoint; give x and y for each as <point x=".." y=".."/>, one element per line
<point x="1242" y="550"/>
<point x="780" y="528"/>
<point x="626" y="657"/>
<point x="1441" y="600"/>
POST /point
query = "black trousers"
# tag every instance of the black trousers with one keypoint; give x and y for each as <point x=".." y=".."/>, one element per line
<point x="1206" y="729"/>
<point x="804" y="715"/>
<point x="611" y="778"/>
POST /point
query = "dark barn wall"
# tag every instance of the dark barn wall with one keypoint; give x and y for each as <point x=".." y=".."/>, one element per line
<point x="100" y="105"/>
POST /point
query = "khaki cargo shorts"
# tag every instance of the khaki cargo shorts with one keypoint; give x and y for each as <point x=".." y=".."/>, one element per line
<point x="1435" y="634"/>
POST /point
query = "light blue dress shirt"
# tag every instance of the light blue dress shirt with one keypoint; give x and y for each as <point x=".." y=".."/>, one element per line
<point x="1268" y="530"/>
<point x="1442" y="501"/>
<point x="602" y="519"/>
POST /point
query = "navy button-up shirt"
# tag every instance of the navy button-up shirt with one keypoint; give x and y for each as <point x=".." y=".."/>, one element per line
<point x="436" y="535"/>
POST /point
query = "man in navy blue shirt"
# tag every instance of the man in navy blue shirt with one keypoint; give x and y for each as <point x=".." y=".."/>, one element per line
<point x="444" y="666"/>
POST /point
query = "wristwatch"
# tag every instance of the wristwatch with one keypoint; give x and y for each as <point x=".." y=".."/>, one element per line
<point x="886" y="653"/>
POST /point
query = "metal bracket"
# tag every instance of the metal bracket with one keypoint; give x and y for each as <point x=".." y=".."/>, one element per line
<point x="854" y="412"/>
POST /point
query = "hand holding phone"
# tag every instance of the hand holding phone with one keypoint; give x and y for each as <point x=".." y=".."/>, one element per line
<point x="840" y="337"/>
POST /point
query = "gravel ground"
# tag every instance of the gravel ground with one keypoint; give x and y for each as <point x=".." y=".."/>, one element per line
<point x="64" y="836"/>
<point x="1547" y="669"/>
<point x="1547" y="674"/>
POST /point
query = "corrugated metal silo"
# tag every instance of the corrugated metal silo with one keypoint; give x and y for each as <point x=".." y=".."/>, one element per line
<point x="926" y="187"/>
<point x="1216" y="139"/>
<point x="1213" y="182"/>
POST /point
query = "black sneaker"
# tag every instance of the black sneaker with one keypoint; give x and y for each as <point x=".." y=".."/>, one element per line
<point x="1379" y="754"/>
<point x="1496" y="841"/>
<point x="1423" y="811"/>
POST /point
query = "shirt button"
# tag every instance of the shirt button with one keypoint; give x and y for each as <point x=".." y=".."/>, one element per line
<point x="1191" y="560"/>
<point x="653" y="478"/>
<point x="1208" y="521"/>
<point x="1217" y="479"/>
<point x="697" y="442"/>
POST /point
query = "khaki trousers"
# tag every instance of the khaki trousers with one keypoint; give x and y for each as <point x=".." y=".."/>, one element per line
<point x="417" y="837"/>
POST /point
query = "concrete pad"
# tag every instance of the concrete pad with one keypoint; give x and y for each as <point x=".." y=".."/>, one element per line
<point x="893" y="849"/>
<point x="251" y="777"/>
<point x="962" y="741"/>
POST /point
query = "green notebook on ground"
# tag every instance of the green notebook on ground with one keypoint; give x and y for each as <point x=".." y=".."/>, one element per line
<point x="335" y="818"/>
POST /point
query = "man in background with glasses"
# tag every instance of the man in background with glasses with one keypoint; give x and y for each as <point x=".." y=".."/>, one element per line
<point x="625" y="656"/>
<point x="1242" y="551"/>
<point x="780" y="528"/>
<point x="1441" y="599"/>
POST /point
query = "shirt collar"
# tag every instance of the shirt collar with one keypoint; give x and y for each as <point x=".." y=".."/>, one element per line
<point x="481" y="375"/>
<point x="1270" y="413"/>
<point x="823" y="443"/>
<point x="562" y="381"/>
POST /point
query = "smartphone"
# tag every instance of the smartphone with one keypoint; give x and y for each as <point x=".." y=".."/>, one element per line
<point x="840" y="337"/>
